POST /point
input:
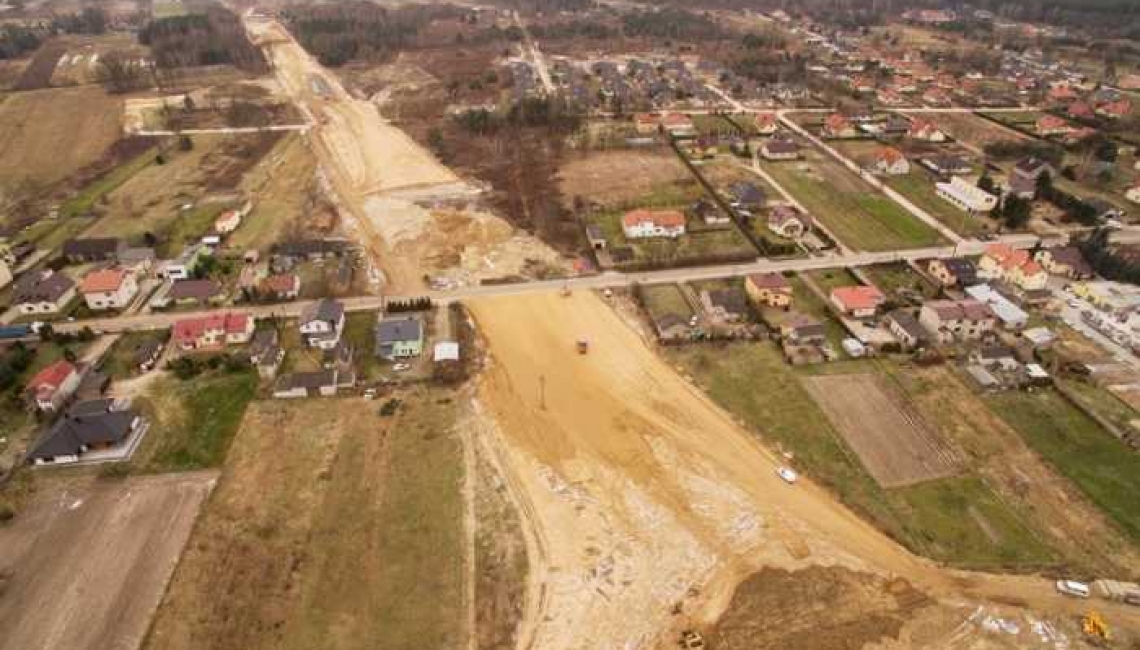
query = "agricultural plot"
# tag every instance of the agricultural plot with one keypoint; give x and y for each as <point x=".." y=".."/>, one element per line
<point x="332" y="527"/>
<point x="86" y="563"/>
<point x="48" y="135"/>
<point x="892" y="440"/>
<point x="620" y="176"/>
<point x="848" y="207"/>
<point x="975" y="132"/>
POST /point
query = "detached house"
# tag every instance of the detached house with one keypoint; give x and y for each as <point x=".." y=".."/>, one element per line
<point x="399" y="337"/>
<point x="780" y="149"/>
<point x="769" y="290"/>
<point x="190" y="292"/>
<point x="788" y="222"/>
<point x="281" y="286"/>
<point x="322" y="323"/>
<point x="641" y="224"/>
<point x="50" y="388"/>
<point x="859" y="301"/>
<point x="43" y="292"/>
<point x="766" y="123"/>
<point x="1065" y="261"/>
<point x="963" y="320"/>
<point x="925" y="130"/>
<point x="966" y="196"/>
<point x="1052" y="125"/>
<point x="95" y="249"/>
<point x="838" y="126"/>
<point x="953" y="271"/>
<point x="108" y="289"/>
<point x="903" y="325"/>
<point x="88" y="426"/>
<point x="890" y="161"/>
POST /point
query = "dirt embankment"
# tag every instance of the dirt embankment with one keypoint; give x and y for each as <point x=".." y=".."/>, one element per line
<point x="646" y="505"/>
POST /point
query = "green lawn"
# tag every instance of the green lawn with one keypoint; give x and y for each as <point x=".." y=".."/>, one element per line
<point x="828" y="279"/>
<point x="193" y="421"/>
<point x="661" y="299"/>
<point x="360" y="331"/>
<point x="957" y="520"/>
<point x="918" y="186"/>
<point x="852" y="210"/>
<point x="892" y="278"/>
<point x="1106" y="470"/>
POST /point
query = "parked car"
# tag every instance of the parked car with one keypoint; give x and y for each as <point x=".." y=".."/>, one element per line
<point x="787" y="473"/>
<point x="1073" y="588"/>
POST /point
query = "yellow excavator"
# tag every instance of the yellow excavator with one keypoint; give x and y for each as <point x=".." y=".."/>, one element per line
<point x="1094" y="626"/>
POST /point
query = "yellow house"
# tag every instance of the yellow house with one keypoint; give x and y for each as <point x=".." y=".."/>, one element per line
<point x="769" y="289"/>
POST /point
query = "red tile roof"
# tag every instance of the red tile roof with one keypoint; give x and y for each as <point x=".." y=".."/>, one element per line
<point x="189" y="330"/>
<point x="103" y="281"/>
<point x="858" y="298"/>
<point x="52" y="376"/>
<point x="660" y="218"/>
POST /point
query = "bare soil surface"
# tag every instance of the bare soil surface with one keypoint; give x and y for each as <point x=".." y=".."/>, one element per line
<point x="896" y="445"/>
<point x="609" y="177"/>
<point x="644" y="505"/>
<point x="85" y="565"/>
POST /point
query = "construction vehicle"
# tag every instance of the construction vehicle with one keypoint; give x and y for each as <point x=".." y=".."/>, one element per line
<point x="1093" y="625"/>
<point x="692" y="640"/>
<point x="583" y="346"/>
<point x="564" y="291"/>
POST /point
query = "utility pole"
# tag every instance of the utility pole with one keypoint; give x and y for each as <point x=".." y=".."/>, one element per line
<point x="542" y="392"/>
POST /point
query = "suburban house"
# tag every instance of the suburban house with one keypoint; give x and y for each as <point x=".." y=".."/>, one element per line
<point x="138" y="260"/>
<point x="312" y="249"/>
<point x="1066" y="261"/>
<point x="645" y="123"/>
<point x="641" y="224"/>
<point x="671" y="327"/>
<point x="596" y="237"/>
<point x="53" y="385"/>
<point x="211" y="332"/>
<point x="859" y="301"/>
<point x="766" y="123"/>
<point x="281" y="286"/>
<point x="906" y="328"/>
<point x="677" y="124"/>
<point x="780" y="149"/>
<point x="1052" y="125"/>
<point x="95" y="249"/>
<point x="182" y="267"/>
<point x="322" y="323"/>
<point x="953" y="271"/>
<point x="746" y="196"/>
<point x="947" y="165"/>
<point x="724" y="305"/>
<point x="85" y="427"/>
<point x="925" y="130"/>
<point x="1001" y="262"/>
<point x="802" y="329"/>
<point x="1010" y="315"/>
<point x="962" y="320"/>
<point x="147" y="354"/>
<point x="1022" y="181"/>
<point x="266" y="353"/>
<point x="708" y="212"/>
<point x="399" y="337"/>
<point x="769" y="290"/>
<point x="965" y="195"/>
<point x="189" y="292"/>
<point x="890" y="161"/>
<point x="229" y="220"/>
<point x="323" y="383"/>
<point x="1115" y="110"/>
<point x="788" y="222"/>
<point x="838" y="126"/>
<point x="42" y="292"/>
<point x="112" y="288"/>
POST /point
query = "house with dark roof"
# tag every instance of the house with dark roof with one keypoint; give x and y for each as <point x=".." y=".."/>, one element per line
<point x="1065" y="261"/>
<point x="93" y="249"/>
<point x="906" y="328"/>
<point x="953" y="271"/>
<point x="399" y="337"/>
<point x="769" y="289"/>
<point x="746" y="196"/>
<point x="949" y="320"/>
<point x="190" y="292"/>
<point x="87" y="426"/>
<point x="43" y="292"/>
<point x="323" y="383"/>
<point x="266" y="353"/>
<point x="777" y="148"/>
<point x="725" y="305"/>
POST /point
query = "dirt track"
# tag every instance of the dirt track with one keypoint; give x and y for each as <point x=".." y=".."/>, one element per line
<point x="86" y="565"/>
<point x="640" y="494"/>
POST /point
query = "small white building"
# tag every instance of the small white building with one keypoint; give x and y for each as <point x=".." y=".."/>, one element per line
<point x="641" y="224"/>
<point x="966" y="195"/>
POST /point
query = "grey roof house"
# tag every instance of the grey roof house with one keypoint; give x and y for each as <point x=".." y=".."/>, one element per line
<point x="399" y="337"/>
<point x="85" y="427"/>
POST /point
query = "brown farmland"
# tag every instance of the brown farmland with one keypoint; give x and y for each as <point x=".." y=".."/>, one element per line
<point x="86" y="564"/>
<point x="892" y="440"/>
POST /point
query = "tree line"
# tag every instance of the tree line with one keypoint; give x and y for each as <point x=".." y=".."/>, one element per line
<point x="213" y="37"/>
<point x="17" y="40"/>
<point x="337" y="34"/>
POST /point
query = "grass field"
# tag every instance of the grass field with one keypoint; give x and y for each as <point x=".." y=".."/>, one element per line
<point x="1106" y="471"/>
<point x="661" y="299"/>
<point x="279" y="181"/>
<point x="852" y="210"/>
<point x="48" y="135"/>
<point x="958" y="520"/>
<point x="192" y="422"/>
<point x="331" y="527"/>
<point x="918" y="187"/>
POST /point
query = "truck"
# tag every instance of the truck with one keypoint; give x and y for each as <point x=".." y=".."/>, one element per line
<point x="1073" y="588"/>
<point x="583" y="346"/>
<point x="19" y="331"/>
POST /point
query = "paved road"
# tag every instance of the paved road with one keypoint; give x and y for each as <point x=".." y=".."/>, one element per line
<point x="609" y="280"/>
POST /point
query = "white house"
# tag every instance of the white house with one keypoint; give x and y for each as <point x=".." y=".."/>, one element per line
<point x="640" y="224"/>
<point x="108" y="289"/>
<point x="322" y="323"/>
<point x="966" y="196"/>
<point x="890" y="161"/>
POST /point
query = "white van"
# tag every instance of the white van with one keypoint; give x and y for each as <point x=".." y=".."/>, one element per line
<point x="1073" y="588"/>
